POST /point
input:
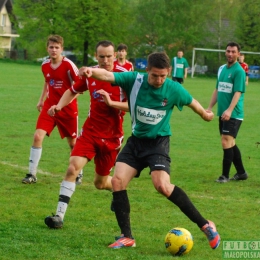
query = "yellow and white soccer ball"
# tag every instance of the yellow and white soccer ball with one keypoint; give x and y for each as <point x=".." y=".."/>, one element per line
<point x="178" y="241"/>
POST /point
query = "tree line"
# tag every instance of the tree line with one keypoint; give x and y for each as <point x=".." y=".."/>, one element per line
<point x="145" y="26"/>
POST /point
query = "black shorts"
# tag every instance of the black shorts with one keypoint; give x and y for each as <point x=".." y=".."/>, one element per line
<point x="230" y="127"/>
<point x="141" y="153"/>
<point x="180" y="80"/>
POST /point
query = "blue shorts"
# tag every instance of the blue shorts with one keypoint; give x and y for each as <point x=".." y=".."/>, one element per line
<point x="141" y="153"/>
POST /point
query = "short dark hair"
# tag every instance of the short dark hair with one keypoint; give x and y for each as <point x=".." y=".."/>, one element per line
<point x="121" y="47"/>
<point x="159" y="60"/>
<point x="55" y="38"/>
<point x="234" y="44"/>
<point x="105" y="43"/>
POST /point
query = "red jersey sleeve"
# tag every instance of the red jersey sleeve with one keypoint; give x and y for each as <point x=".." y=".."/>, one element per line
<point x="80" y="86"/>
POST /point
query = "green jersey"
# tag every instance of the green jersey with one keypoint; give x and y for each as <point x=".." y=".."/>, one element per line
<point x="178" y="67"/>
<point x="231" y="80"/>
<point x="150" y="107"/>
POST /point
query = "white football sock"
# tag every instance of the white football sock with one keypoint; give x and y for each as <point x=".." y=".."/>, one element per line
<point x="35" y="156"/>
<point x="67" y="189"/>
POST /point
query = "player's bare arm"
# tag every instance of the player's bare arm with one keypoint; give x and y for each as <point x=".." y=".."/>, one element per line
<point x="66" y="98"/>
<point x="115" y="104"/>
<point x="185" y="72"/>
<point x="197" y="108"/>
<point x="42" y="97"/>
<point x="213" y="100"/>
<point x="97" y="73"/>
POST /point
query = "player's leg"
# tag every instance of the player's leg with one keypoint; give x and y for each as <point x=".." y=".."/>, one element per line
<point x="237" y="158"/>
<point x="227" y="142"/>
<point x="105" y="158"/>
<point x="104" y="163"/>
<point x="67" y="189"/>
<point x="71" y="142"/>
<point x="83" y="151"/>
<point x="122" y="176"/>
<point x="161" y="182"/>
<point x="44" y="126"/>
<point x="237" y="161"/>
<point x="128" y="165"/>
<point x="103" y="182"/>
<point x="159" y="164"/>
<point x="228" y="130"/>
<point x="68" y="127"/>
<point x="35" y="156"/>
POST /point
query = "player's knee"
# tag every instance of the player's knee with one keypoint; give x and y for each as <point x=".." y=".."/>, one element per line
<point x="118" y="184"/>
<point x="37" y="138"/>
<point x="223" y="142"/>
<point x="72" y="171"/>
<point x="116" y="181"/>
<point x="161" y="188"/>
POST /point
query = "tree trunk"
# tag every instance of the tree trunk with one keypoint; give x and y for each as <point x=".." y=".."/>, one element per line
<point x="85" y="53"/>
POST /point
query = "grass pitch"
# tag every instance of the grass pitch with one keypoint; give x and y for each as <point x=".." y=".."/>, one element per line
<point x="89" y="225"/>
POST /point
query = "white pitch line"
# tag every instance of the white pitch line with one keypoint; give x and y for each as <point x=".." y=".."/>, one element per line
<point x="193" y="196"/>
<point x="25" y="168"/>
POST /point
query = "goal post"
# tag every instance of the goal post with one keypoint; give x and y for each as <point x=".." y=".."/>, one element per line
<point x="210" y="50"/>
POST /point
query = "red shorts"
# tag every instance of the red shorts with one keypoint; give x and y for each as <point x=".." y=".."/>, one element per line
<point x="105" y="151"/>
<point x="67" y="126"/>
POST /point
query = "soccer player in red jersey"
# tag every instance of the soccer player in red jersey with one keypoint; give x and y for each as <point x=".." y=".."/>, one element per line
<point x="102" y="132"/>
<point x="244" y="65"/>
<point x="59" y="73"/>
<point x="121" y="60"/>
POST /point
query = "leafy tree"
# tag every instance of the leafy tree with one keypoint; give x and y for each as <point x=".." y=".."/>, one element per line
<point x="168" y="24"/>
<point x="219" y="29"/>
<point x="81" y="23"/>
<point x="248" y="25"/>
<point x="92" y="21"/>
<point x="37" y="19"/>
<point x="145" y="26"/>
<point x="221" y="22"/>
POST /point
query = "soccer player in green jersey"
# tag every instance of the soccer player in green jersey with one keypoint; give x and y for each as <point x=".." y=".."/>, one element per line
<point x="179" y="68"/>
<point x="229" y="93"/>
<point x="151" y="99"/>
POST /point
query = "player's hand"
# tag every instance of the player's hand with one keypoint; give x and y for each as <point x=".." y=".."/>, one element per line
<point x="105" y="96"/>
<point x="208" y="116"/>
<point x="85" y="72"/>
<point x="39" y="106"/>
<point x="226" y="115"/>
<point x="53" y="110"/>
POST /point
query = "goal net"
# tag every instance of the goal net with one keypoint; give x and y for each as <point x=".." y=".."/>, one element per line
<point x="207" y="61"/>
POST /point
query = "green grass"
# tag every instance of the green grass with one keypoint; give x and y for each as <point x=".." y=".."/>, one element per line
<point x="89" y="224"/>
